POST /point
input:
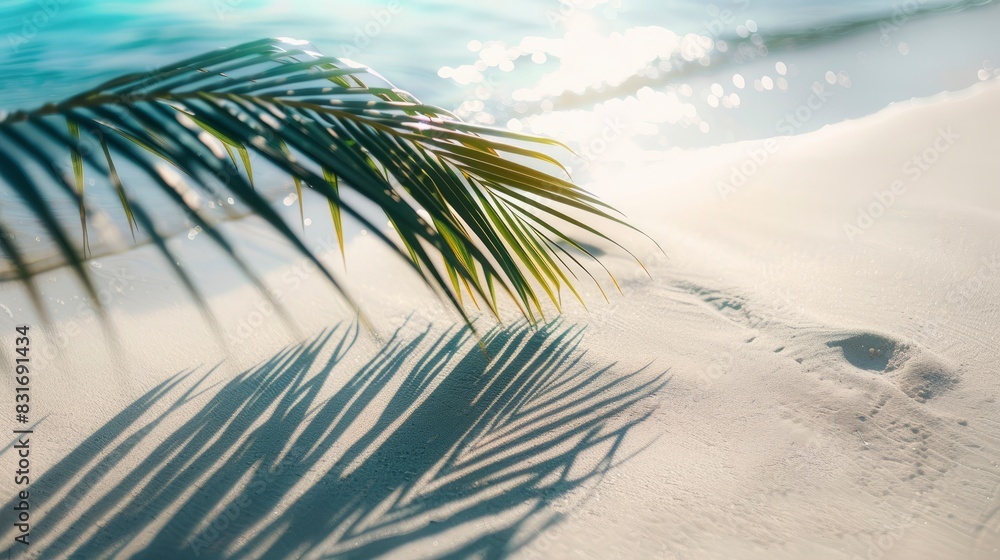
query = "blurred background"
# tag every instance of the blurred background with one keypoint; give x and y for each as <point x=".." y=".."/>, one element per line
<point x="636" y="74"/>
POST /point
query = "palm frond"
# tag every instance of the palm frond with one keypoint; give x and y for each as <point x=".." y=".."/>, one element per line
<point x="473" y="208"/>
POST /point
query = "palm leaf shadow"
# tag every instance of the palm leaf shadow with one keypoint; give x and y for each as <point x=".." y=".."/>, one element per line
<point x="271" y="466"/>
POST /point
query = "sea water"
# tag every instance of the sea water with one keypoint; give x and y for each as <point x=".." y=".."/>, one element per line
<point x="770" y="53"/>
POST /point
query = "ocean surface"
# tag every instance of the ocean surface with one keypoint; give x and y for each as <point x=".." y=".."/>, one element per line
<point x="618" y="80"/>
<point x="548" y="54"/>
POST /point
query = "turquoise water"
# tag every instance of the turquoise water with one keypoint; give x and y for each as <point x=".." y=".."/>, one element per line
<point x="51" y="48"/>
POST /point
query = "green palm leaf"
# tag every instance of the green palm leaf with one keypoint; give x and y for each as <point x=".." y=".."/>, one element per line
<point x="474" y="208"/>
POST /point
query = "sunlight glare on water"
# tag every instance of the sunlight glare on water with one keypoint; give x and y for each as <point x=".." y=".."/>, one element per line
<point x="520" y="60"/>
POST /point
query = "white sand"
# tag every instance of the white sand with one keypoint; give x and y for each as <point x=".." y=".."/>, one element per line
<point x="777" y="390"/>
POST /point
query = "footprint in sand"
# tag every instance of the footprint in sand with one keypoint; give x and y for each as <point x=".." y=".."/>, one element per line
<point x="916" y="371"/>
